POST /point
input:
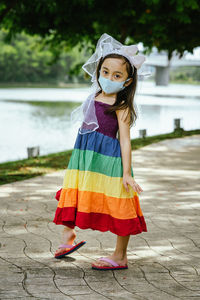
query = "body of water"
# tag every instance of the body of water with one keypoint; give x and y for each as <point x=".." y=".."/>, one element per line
<point x="44" y="120"/>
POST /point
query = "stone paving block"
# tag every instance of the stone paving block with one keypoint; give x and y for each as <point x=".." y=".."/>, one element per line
<point x="75" y="289"/>
<point x="191" y="298"/>
<point x="11" y="286"/>
<point x="14" y="295"/>
<point x="53" y="296"/>
<point x="153" y="268"/>
<point x="15" y="230"/>
<point x="41" y="288"/>
<point x="158" y="295"/>
<point x="146" y="253"/>
<point x="123" y="294"/>
<point x="25" y="263"/>
<point x="100" y="279"/>
<point x="126" y="296"/>
<point x="109" y="288"/>
<point x="39" y="280"/>
<point x="184" y="278"/>
<point x="195" y="253"/>
<point x="7" y="281"/>
<point x="64" y="263"/>
<point x="5" y="264"/>
<point x="192" y="285"/>
<point x="68" y="273"/>
<point x="27" y="297"/>
<point x="9" y="244"/>
<point x="158" y="276"/>
<point x="98" y="274"/>
<point x="135" y="287"/>
<point x="70" y="282"/>
<point x="133" y="272"/>
<point x="40" y="272"/>
<point x="12" y="290"/>
<point x="92" y="296"/>
<point x="181" y="269"/>
<point x="175" y="289"/>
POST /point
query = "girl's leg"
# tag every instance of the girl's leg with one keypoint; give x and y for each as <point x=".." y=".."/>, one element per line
<point x="68" y="237"/>
<point x="120" y="253"/>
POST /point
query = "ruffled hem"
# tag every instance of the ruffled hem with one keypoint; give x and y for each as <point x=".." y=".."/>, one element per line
<point x="69" y="216"/>
<point x="57" y="196"/>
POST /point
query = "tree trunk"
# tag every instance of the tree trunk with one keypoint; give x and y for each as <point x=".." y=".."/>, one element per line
<point x="123" y="34"/>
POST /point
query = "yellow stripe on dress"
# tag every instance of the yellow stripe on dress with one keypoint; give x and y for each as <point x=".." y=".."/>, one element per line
<point x="96" y="182"/>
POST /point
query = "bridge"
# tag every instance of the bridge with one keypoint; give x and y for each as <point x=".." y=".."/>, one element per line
<point x="162" y="65"/>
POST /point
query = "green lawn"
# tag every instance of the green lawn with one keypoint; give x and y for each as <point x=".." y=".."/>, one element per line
<point x="27" y="168"/>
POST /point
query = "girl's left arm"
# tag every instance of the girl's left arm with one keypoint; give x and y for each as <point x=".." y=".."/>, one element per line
<point x="125" y="145"/>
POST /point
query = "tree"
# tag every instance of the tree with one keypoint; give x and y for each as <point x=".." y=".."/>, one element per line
<point x="22" y="61"/>
<point x="168" y="25"/>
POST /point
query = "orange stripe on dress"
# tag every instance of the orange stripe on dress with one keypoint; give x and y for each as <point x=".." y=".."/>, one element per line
<point x="87" y="202"/>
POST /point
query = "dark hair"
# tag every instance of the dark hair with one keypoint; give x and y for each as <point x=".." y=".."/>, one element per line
<point x="125" y="98"/>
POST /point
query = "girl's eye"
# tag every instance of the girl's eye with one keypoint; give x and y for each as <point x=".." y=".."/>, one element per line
<point x="117" y="76"/>
<point x="105" y="72"/>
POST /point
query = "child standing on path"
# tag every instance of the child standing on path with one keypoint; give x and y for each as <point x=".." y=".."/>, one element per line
<point x="99" y="191"/>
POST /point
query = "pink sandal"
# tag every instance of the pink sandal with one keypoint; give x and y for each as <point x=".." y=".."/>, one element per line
<point x="72" y="248"/>
<point x="115" y="266"/>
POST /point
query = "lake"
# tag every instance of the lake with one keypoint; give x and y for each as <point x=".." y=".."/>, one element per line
<point x="41" y="117"/>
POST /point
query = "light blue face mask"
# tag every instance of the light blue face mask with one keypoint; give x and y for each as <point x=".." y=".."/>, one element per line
<point x="110" y="86"/>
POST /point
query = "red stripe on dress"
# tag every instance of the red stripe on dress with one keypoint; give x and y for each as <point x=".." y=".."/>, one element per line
<point x="69" y="216"/>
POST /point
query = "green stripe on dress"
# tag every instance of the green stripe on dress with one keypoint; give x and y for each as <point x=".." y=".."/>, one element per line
<point x="88" y="160"/>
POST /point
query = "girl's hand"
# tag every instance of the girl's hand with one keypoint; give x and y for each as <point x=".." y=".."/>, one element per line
<point x="127" y="179"/>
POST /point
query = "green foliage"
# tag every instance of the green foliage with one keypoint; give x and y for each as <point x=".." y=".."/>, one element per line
<point x="185" y="75"/>
<point x="27" y="59"/>
<point x="168" y="25"/>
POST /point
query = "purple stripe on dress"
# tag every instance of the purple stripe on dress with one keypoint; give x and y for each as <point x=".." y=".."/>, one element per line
<point x="108" y="123"/>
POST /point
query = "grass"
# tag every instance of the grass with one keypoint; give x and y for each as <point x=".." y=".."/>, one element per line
<point x="37" y="166"/>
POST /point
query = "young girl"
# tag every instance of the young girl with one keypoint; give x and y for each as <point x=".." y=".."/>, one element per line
<point x="99" y="191"/>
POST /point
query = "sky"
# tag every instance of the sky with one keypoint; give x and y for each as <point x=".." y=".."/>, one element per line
<point x="195" y="55"/>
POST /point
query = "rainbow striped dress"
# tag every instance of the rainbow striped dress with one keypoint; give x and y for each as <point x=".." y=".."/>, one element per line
<point x="92" y="194"/>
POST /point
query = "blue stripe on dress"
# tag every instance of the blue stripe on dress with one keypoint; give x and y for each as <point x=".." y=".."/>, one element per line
<point x="98" y="142"/>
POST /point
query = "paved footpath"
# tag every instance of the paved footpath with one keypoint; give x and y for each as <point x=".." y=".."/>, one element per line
<point x="164" y="263"/>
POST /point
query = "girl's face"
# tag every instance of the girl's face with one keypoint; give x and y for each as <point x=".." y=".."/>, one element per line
<point x="114" y="69"/>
